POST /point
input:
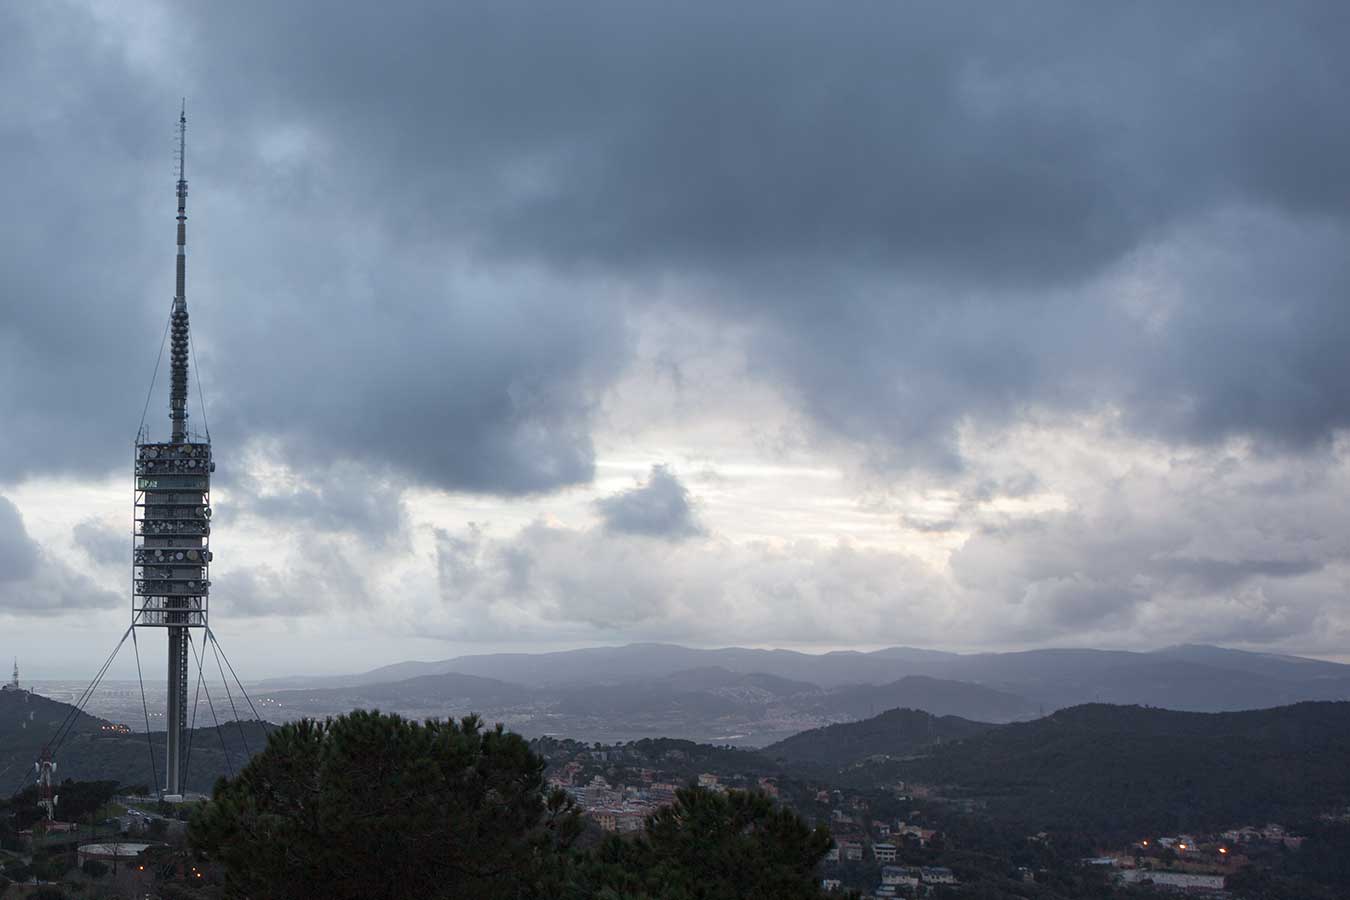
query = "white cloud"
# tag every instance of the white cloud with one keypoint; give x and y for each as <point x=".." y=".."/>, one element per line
<point x="545" y="580"/>
<point x="35" y="581"/>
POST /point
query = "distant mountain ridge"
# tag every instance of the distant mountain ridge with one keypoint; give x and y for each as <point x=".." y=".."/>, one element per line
<point x="757" y="697"/>
<point x="1275" y="665"/>
<point x="598" y="665"/>
<point x="1188" y="677"/>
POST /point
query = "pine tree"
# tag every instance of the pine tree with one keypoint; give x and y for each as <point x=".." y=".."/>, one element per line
<point x="372" y="806"/>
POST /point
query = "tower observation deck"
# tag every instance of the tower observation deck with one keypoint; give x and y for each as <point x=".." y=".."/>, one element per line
<point x="171" y="548"/>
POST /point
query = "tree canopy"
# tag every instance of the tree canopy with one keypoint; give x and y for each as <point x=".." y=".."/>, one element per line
<point x="370" y="805"/>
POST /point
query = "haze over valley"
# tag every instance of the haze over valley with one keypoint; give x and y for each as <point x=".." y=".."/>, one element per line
<point x="755" y="697"/>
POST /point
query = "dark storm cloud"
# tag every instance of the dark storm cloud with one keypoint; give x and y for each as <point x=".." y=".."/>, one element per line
<point x="413" y="222"/>
<point x="660" y="508"/>
<point x="345" y="498"/>
<point x="325" y="511"/>
<point x="337" y="341"/>
<point x="83" y="153"/>
<point x="914" y="204"/>
<point x="1034" y="143"/>
<point x="18" y="552"/>
<point x="1258" y="344"/>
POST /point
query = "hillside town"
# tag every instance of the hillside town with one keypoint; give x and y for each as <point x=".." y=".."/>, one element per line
<point x="875" y="851"/>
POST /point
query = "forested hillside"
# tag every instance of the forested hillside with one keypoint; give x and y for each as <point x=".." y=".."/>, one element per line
<point x="94" y="751"/>
<point x="895" y="733"/>
<point x="1137" y="770"/>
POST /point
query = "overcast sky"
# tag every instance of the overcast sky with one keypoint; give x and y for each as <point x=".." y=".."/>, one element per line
<point x="536" y="325"/>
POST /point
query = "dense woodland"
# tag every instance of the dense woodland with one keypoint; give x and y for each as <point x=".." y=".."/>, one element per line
<point x="1132" y="771"/>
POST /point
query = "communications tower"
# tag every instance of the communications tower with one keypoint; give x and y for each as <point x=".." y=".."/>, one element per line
<point x="171" y="553"/>
<point x="13" y="684"/>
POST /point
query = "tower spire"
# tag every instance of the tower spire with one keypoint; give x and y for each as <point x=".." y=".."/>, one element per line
<point x="182" y="141"/>
<point x="179" y="348"/>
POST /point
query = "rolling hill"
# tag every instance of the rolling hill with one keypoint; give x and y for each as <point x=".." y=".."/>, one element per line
<point x="896" y="733"/>
<point x="95" y="752"/>
<point x="939" y="696"/>
<point x="1132" y="770"/>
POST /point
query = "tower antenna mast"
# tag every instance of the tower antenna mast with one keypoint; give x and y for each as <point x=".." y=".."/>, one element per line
<point x="179" y="349"/>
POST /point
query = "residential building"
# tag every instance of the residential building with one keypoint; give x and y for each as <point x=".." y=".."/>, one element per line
<point x="629" y="821"/>
<point x="915" y="834"/>
<point x="900" y="876"/>
<point x="937" y="875"/>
